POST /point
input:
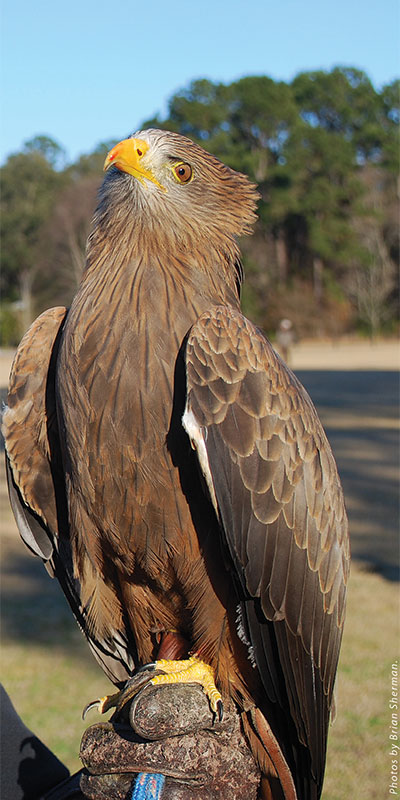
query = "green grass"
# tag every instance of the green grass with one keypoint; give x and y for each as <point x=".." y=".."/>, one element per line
<point x="358" y="747"/>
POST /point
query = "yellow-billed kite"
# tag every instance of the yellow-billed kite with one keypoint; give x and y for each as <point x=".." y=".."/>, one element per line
<point x="172" y="471"/>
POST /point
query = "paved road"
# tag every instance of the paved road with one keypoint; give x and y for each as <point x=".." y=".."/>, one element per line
<point x="360" y="413"/>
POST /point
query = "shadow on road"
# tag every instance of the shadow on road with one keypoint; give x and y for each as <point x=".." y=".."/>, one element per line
<point x="34" y="609"/>
<point x="360" y="413"/>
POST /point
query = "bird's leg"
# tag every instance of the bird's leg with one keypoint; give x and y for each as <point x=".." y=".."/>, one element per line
<point x="171" y="645"/>
<point x="192" y="670"/>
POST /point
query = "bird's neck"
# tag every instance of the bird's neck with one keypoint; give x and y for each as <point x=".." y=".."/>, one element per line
<point x="142" y="298"/>
<point x="129" y="256"/>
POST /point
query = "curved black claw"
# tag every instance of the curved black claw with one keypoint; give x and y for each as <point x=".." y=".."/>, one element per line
<point x="89" y="706"/>
<point x="220" y="710"/>
<point x="102" y="704"/>
<point x="118" y="700"/>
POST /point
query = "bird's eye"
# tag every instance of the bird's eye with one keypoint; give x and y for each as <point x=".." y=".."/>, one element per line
<point x="183" y="172"/>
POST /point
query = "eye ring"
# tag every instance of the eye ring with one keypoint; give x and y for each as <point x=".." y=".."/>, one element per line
<point x="182" y="172"/>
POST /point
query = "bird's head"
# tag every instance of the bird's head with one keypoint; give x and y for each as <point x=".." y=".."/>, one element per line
<point x="169" y="187"/>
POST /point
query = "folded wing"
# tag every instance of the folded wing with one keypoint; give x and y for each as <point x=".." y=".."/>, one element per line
<point x="36" y="475"/>
<point x="274" y="484"/>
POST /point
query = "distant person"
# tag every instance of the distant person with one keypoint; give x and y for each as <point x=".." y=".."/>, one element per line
<point x="285" y="338"/>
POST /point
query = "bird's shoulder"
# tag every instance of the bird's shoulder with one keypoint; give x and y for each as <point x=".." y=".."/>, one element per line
<point x="228" y="357"/>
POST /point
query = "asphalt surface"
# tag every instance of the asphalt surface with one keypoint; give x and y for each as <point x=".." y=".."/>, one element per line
<point x="360" y="413"/>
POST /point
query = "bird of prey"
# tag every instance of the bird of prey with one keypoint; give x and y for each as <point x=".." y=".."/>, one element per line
<point x="171" y="470"/>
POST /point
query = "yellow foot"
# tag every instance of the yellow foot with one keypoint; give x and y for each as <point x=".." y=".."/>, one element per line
<point x="191" y="670"/>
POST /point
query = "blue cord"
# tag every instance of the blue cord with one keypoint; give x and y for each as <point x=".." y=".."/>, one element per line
<point x="148" y="786"/>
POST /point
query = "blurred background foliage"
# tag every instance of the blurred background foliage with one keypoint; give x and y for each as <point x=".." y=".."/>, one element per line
<point x="324" y="152"/>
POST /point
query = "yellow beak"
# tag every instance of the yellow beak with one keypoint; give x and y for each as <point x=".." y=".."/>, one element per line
<point x="127" y="157"/>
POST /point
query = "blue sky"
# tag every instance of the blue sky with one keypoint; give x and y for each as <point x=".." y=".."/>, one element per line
<point x="84" y="72"/>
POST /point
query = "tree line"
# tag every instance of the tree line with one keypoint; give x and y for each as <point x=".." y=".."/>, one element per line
<point x="323" y="150"/>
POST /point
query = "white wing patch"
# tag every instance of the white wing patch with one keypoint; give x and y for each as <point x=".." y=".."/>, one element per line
<point x="197" y="436"/>
<point x="244" y="635"/>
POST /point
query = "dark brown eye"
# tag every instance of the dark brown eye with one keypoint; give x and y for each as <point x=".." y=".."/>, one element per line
<point x="183" y="172"/>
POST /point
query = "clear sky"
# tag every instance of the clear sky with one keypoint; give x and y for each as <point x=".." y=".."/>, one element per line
<point x="84" y="71"/>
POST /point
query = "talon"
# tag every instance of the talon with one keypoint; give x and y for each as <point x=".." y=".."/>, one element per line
<point x="102" y="704"/>
<point x="88" y="707"/>
<point x="220" y="710"/>
<point x="120" y="698"/>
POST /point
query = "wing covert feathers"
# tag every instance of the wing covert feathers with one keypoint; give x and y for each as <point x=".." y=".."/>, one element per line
<point x="30" y="416"/>
<point x="281" y="507"/>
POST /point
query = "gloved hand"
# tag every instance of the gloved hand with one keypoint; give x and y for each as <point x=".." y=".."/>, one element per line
<point x="169" y="731"/>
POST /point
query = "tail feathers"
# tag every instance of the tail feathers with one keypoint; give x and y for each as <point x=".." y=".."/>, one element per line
<point x="277" y="782"/>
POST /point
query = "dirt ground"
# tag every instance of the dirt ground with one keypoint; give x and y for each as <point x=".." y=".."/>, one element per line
<point x="346" y="354"/>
